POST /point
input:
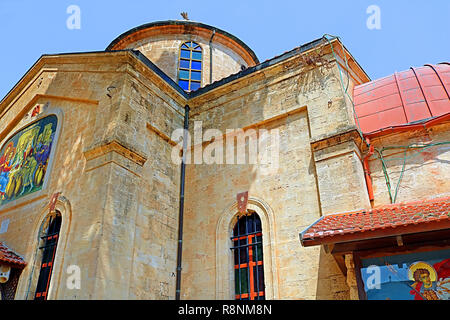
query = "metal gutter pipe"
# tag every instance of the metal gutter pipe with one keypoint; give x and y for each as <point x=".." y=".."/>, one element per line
<point x="367" y="171"/>
<point x="211" y="56"/>
<point x="181" y="212"/>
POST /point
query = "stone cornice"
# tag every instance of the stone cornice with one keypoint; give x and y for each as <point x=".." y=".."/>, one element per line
<point x="310" y="55"/>
<point x="298" y="57"/>
<point x="349" y="135"/>
<point x="96" y="62"/>
<point x="118" y="148"/>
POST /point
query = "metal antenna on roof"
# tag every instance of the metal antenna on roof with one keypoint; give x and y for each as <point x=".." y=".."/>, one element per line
<point x="184" y="15"/>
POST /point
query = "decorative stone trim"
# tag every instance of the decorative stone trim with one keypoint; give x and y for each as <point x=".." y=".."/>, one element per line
<point x="116" y="147"/>
<point x="28" y="280"/>
<point x="352" y="135"/>
<point x="224" y="258"/>
<point x="161" y="134"/>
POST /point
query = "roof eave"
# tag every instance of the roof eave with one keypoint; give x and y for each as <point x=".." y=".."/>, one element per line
<point x="379" y="233"/>
<point x="137" y="54"/>
<point x="302" y="234"/>
<point x="258" y="67"/>
<point x="426" y="123"/>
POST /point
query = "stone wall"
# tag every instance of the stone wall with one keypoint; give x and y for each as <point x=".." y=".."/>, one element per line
<point x="118" y="188"/>
<point x="293" y="98"/>
<point x="426" y="171"/>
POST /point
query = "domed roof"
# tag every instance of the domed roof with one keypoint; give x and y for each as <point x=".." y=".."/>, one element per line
<point x="184" y="27"/>
<point x="404" y="99"/>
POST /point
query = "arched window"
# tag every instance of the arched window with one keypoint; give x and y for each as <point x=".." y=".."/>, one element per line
<point x="248" y="258"/>
<point x="49" y="241"/>
<point x="190" y="68"/>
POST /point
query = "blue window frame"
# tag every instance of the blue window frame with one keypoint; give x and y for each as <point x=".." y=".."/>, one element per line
<point x="190" y="66"/>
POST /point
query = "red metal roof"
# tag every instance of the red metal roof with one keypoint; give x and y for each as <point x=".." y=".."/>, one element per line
<point x="10" y="257"/>
<point x="404" y="98"/>
<point x="390" y="220"/>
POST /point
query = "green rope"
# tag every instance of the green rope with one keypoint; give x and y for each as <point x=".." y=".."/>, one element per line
<point x="420" y="149"/>
<point x="386" y="175"/>
<point x="401" y="175"/>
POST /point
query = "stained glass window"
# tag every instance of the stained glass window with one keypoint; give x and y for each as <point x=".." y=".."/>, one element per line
<point x="190" y="67"/>
<point x="248" y="258"/>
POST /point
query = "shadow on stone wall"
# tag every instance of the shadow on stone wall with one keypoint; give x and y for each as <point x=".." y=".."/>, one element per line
<point x="168" y="63"/>
<point x="332" y="283"/>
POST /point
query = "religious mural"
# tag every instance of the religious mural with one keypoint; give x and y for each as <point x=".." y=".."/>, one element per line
<point x="24" y="159"/>
<point x="415" y="276"/>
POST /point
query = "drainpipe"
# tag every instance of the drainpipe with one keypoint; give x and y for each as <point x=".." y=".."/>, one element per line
<point x="181" y="212"/>
<point x="210" y="56"/>
<point x="367" y="171"/>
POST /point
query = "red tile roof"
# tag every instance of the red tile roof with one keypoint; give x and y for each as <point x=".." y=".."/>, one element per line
<point x="404" y="98"/>
<point x="390" y="220"/>
<point x="9" y="256"/>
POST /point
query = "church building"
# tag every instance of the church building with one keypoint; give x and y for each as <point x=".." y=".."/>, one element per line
<point x="176" y="165"/>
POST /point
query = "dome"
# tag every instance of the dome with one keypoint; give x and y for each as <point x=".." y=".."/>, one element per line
<point x="221" y="54"/>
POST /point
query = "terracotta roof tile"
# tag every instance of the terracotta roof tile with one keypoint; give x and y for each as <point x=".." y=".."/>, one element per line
<point x="389" y="219"/>
<point x="9" y="256"/>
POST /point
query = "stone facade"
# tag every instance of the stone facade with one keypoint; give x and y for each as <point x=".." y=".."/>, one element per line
<point x="292" y="97"/>
<point x="426" y="172"/>
<point x="104" y="155"/>
<point x="119" y="188"/>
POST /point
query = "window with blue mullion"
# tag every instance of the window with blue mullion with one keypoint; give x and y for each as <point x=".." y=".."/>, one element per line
<point x="190" y="67"/>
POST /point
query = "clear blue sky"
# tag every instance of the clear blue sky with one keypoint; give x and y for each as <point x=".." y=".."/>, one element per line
<point x="413" y="32"/>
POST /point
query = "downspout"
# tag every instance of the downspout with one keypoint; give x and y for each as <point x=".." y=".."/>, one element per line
<point x="181" y="209"/>
<point x="367" y="171"/>
<point x="210" y="56"/>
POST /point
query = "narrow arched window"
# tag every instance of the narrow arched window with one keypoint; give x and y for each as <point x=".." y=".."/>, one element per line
<point x="49" y="241"/>
<point x="190" y="68"/>
<point x="248" y="258"/>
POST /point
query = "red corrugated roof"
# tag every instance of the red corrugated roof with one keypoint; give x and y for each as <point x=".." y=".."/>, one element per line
<point x="9" y="256"/>
<point x="385" y="221"/>
<point x="404" y="98"/>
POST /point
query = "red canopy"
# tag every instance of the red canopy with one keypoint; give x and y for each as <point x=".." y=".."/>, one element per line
<point x="10" y="257"/>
